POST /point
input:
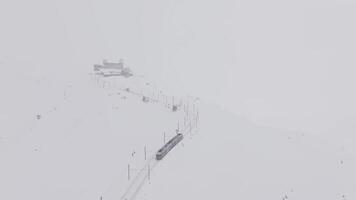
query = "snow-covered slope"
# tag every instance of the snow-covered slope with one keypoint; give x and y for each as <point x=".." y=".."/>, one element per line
<point x="74" y="139"/>
<point x="232" y="158"/>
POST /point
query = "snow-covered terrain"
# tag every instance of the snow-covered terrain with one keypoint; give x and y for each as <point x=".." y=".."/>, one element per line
<point x="76" y="139"/>
<point x="276" y="110"/>
<point x="233" y="158"/>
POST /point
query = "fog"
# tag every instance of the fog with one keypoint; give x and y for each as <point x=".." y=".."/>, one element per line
<point x="283" y="64"/>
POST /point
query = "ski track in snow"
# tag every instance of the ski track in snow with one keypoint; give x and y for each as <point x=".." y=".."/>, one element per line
<point x="139" y="180"/>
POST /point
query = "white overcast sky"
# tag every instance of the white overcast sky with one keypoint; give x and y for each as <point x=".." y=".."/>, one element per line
<point x="287" y="64"/>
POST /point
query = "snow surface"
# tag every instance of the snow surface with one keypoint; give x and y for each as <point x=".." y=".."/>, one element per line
<point x="285" y="69"/>
<point x="89" y="131"/>
<point x="75" y="139"/>
<point x="233" y="158"/>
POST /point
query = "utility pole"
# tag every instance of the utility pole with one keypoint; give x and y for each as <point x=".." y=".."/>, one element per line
<point x="197" y="116"/>
<point x="145" y="152"/>
<point x="164" y="137"/>
<point x="187" y="108"/>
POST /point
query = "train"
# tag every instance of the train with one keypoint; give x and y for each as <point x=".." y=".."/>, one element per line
<point x="168" y="146"/>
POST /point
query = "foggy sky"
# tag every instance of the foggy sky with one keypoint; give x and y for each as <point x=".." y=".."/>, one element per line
<point x="279" y="63"/>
